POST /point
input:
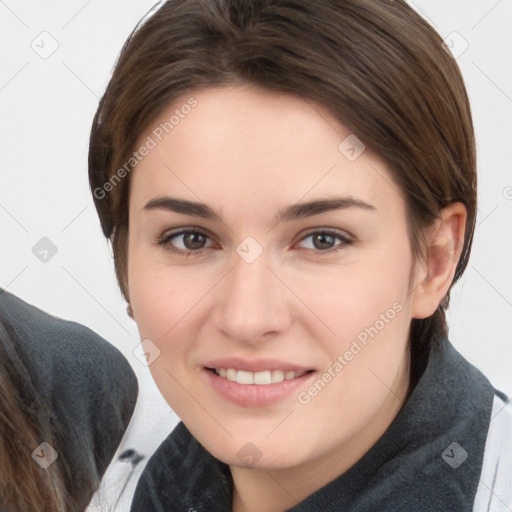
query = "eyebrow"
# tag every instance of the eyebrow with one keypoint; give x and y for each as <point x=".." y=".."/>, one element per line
<point x="290" y="213"/>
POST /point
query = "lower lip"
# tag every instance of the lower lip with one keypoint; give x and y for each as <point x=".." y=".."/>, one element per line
<point x="255" y="395"/>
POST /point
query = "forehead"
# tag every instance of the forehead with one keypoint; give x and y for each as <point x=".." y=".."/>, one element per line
<point x="243" y="146"/>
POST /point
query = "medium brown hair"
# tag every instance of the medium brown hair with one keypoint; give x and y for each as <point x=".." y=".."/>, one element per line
<point x="377" y="65"/>
<point x="26" y="418"/>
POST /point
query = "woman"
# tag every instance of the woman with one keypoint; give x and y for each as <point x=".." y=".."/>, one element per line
<point x="290" y="192"/>
<point x="66" y="398"/>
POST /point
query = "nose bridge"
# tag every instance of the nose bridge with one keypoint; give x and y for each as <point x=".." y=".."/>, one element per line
<point x="250" y="280"/>
<point x="251" y="303"/>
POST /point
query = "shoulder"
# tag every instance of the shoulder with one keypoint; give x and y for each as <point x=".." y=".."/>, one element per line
<point x="88" y="385"/>
<point x="494" y="493"/>
<point x="61" y="352"/>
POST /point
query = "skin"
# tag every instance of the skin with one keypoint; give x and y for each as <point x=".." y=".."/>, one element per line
<point x="249" y="153"/>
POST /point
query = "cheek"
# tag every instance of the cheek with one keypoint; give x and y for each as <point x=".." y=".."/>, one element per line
<point x="350" y="298"/>
<point x="161" y="301"/>
<point x="156" y="300"/>
<point x="367" y="307"/>
<point x="159" y="294"/>
<point x="168" y="304"/>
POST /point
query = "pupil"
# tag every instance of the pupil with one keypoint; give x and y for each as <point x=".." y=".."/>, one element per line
<point x="323" y="241"/>
<point x="193" y="240"/>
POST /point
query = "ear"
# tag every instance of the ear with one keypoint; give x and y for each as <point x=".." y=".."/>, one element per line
<point x="434" y="275"/>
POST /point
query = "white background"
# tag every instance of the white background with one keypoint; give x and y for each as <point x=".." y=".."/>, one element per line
<point x="46" y="110"/>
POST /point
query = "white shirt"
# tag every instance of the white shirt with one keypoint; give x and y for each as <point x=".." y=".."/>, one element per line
<point x="494" y="493"/>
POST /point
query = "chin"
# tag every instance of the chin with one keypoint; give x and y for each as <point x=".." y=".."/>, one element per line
<point x="257" y="454"/>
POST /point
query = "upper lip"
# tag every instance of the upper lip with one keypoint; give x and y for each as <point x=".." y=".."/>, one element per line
<point x="255" y="365"/>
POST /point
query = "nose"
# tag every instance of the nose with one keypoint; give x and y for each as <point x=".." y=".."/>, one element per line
<point x="251" y="305"/>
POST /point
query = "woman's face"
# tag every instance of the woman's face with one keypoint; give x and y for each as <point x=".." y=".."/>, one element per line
<point x="265" y="246"/>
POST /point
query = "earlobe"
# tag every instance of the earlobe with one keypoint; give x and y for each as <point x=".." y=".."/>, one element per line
<point x="445" y="243"/>
<point x="129" y="310"/>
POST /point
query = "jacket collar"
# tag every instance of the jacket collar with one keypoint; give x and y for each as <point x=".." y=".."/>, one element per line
<point x="429" y="458"/>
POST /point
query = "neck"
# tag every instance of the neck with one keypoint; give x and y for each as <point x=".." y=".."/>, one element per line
<point x="275" y="490"/>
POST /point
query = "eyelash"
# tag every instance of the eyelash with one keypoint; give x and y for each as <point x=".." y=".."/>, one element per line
<point x="165" y="240"/>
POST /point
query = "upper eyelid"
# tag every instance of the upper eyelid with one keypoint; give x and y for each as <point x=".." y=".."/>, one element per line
<point x="167" y="237"/>
<point x="169" y="233"/>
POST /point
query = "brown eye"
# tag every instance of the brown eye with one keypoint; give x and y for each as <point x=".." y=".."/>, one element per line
<point x="185" y="241"/>
<point x="194" y="241"/>
<point x="326" y="241"/>
<point x="323" y="241"/>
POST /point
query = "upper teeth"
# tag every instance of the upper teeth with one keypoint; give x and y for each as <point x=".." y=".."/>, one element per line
<point x="262" y="378"/>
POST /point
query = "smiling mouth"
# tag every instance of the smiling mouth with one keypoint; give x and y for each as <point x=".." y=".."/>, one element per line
<point x="262" y="378"/>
